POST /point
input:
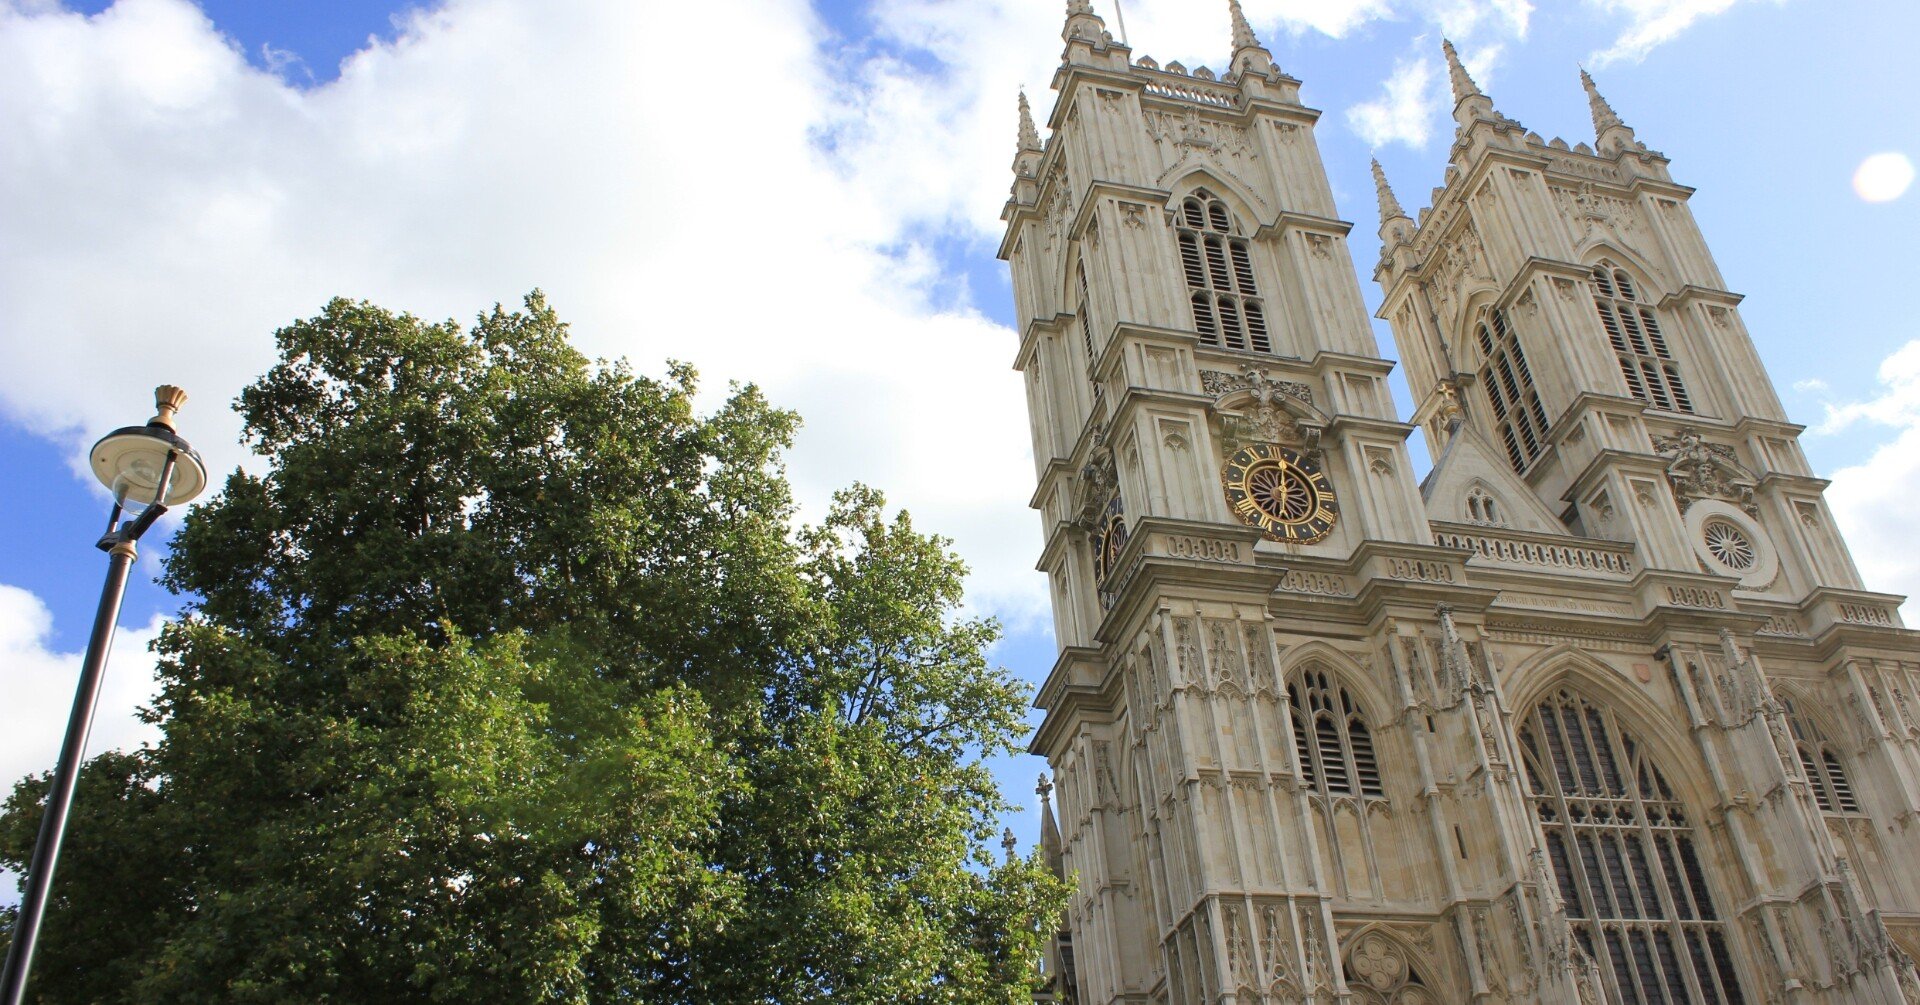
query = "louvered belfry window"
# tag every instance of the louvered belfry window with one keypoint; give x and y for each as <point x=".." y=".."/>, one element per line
<point x="1227" y="309"/>
<point x="1331" y="738"/>
<point x="1646" y="362"/>
<point x="1517" y="413"/>
<point x="1821" y="762"/>
<point x="1085" y="310"/>
<point x="1624" y="854"/>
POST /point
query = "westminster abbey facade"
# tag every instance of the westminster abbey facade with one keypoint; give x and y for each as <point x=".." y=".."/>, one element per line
<point x="1596" y="711"/>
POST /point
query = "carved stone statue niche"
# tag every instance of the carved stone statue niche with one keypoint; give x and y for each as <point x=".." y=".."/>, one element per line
<point x="1701" y="470"/>
<point x="1253" y="407"/>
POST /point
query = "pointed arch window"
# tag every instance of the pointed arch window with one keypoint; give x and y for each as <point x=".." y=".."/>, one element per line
<point x="1484" y="508"/>
<point x="1624" y="856"/>
<point x="1826" y="774"/>
<point x="1646" y="361"/>
<point x="1519" y="418"/>
<point x="1332" y="739"/>
<point x="1227" y="308"/>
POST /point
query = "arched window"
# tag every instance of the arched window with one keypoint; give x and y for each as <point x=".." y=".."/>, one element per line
<point x="1517" y="412"/>
<point x="1646" y="363"/>
<point x="1821" y="762"/>
<point x="1483" y="508"/>
<point x="1331" y="738"/>
<point x="1623" y="852"/>
<point x="1227" y="309"/>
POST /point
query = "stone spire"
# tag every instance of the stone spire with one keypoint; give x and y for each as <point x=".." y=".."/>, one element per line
<point x="1082" y="23"/>
<point x="1243" y="36"/>
<point x="1396" y="228"/>
<point x="1049" y="831"/>
<point x="1603" y="115"/>
<point x="1470" y="104"/>
<point x="1389" y="206"/>
<point x="1609" y="133"/>
<point x="1463" y="85"/>
<point x="1029" y="136"/>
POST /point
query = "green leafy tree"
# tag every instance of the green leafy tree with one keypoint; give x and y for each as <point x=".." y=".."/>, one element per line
<point x="515" y="679"/>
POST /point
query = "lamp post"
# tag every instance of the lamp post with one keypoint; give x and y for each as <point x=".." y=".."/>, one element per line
<point x="148" y="468"/>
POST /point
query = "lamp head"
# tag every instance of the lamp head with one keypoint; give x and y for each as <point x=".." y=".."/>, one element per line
<point x="129" y="460"/>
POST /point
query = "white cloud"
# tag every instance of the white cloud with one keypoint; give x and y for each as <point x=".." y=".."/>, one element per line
<point x="1410" y="101"/>
<point x="1872" y="502"/>
<point x="1897" y="405"/>
<point x="1810" y="385"/>
<point x="39" y="685"/>
<point x="731" y="196"/>
<point x="1650" y="23"/>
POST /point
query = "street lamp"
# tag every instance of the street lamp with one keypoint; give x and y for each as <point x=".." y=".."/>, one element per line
<point x="148" y="468"/>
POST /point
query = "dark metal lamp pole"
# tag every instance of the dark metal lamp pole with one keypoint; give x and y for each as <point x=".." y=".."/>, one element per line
<point x="148" y="468"/>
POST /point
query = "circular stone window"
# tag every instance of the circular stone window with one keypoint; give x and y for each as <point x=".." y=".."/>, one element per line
<point x="1731" y="543"/>
<point x="1728" y="545"/>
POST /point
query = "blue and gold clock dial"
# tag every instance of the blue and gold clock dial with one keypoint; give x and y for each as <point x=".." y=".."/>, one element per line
<point x="1280" y="491"/>
<point x="1109" y="539"/>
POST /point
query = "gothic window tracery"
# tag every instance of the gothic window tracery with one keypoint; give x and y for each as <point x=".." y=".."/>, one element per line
<point x="1484" y="509"/>
<point x="1624" y="855"/>
<point x="1518" y="415"/>
<point x="1821" y="761"/>
<point x="1646" y="361"/>
<point x="1380" y="972"/>
<point x="1331" y="738"/>
<point x="1227" y="309"/>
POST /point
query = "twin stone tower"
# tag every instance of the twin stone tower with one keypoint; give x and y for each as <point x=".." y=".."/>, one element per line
<point x="1597" y="711"/>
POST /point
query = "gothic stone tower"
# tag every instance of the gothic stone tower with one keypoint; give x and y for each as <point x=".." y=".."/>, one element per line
<point x="1598" y="711"/>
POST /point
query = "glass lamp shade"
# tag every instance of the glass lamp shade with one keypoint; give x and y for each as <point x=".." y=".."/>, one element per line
<point x="128" y="462"/>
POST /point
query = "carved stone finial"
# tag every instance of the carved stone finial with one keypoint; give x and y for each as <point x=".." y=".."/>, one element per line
<point x="1045" y="789"/>
<point x="1463" y="85"/>
<point x="167" y="400"/>
<point x="1389" y="205"/>
<point x="1078" y="7"/>
<point x="1007" y="841"/>
<point x="1243" y="36"/>
<point x="1029" y="136"/>
<point x="1449" y="410"/>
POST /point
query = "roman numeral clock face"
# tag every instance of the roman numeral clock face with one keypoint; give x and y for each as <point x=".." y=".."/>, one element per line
<point x="1281" y="492"/>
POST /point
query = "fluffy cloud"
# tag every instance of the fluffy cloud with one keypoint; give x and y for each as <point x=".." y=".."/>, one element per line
<point x="736" y="198"/>
<point x="39" y="685"/>
<point x="1407" y="107"/>
<point x="1653" y="22"/>
<point x="1873" y="501"/>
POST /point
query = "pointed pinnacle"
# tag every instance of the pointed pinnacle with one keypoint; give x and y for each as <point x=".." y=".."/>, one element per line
<point x="1243" y="36"/>
<point x="1029" y="136"/>
<point x="1389" y="206"/>
<point x="1463" y="85"/>
<point x="1604" y="117"/>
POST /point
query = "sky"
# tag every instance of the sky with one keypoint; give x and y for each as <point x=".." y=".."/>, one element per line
<point x="807" y="196"/>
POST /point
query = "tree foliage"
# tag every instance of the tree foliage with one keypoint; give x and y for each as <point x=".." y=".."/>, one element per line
<point x="514" y="678"/>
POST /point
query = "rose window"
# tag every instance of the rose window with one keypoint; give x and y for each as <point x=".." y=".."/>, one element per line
<point x="1729" y="545"/>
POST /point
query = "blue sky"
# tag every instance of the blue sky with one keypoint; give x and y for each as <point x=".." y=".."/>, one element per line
<point x="181" y="179"/>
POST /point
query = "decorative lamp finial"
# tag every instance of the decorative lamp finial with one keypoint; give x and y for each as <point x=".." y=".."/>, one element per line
<point x="167" y="400"/>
